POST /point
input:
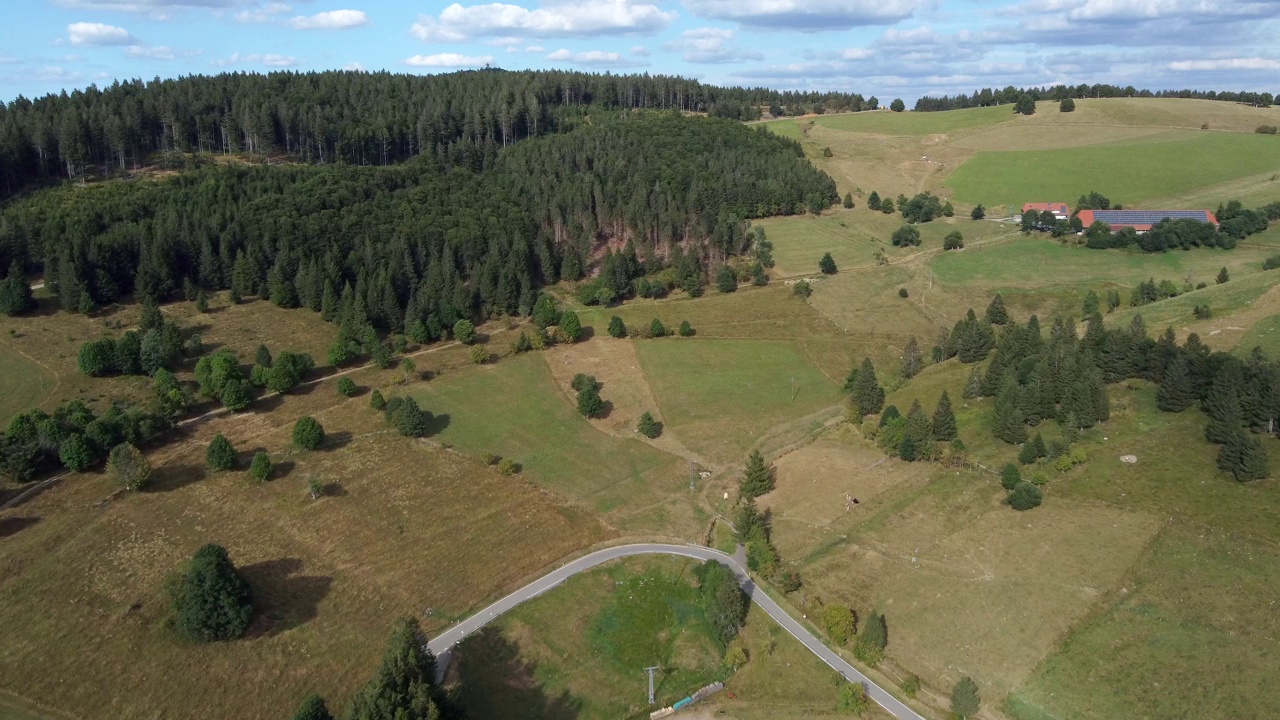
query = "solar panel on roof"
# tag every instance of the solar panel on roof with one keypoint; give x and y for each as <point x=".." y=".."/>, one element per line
<point x="1148" y="217"/>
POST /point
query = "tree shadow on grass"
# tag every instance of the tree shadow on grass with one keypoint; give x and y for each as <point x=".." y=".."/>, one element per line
<point x="437" y="424"/>
<point x="489" y="679"/>
<point x="175" y="477"/>
<point x="283" y="598"/>
<point x="13" y="525"/>
<point x="336" y="440"/>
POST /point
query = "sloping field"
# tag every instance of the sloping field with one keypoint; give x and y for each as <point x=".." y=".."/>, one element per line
<point x="1127" y="173"/>
<point x="885" y="122"/>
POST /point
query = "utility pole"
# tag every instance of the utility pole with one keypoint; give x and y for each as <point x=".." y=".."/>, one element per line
<point x="650" y="671"/>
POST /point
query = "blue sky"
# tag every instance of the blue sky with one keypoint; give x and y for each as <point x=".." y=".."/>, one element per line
<point x="888" y="48"/>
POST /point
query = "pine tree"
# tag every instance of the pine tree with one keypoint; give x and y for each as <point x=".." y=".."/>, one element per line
<point x="220" y="455"/>
<point x="649" y="427"/>
<point x="617" y="328"/>
<point x="1243" y="457"/>
<point x="308" y="434"/>
<point x="1008" y="424"/>
<point x="827" y="264"/>
<point x="1025" y="496"/>
<point x="919" y="431"/>
<point x="868" y="396"/>
<point x="657" y="329"/>
<point x="944" y="420"/>
<point x="912" y="359"/>
<point x="1222" y="405"/>
<point x="1010" y="477"/>
<point x="1090" y="306"/>
<point x="907" y="449"/>
<point x="1032" y="450"/>
<point x="873" y="200"/>
<point x="848" y="201"/>
<point x="313" y="708"/>
<point x="212" y="601"/>
<point x="996" y="313"/>
<point x="404" y="687"/>
<point x="570" y="325"/>
<point x="973" y="388"/>
<point x="965" y="701"/>
<point x="15" y="294"/>
<point x="544" y="312"/>
<point x="260" y="467"/>
<point x="589" y="402"/>
<point x="757" y="477"/>
<point x="1223" y="276"/>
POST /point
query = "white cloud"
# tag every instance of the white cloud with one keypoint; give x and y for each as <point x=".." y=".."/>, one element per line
<point x="711" y="45"/>
<point x="1226" y="64"/>
<point x="812" y="15"/>
<point x="448" y="60"/>
<point x="7" y="59"/>
<point x="592" y="58"/>
<point x="268" y="59"/>
<point x="159" y="52"/>
<point x="565" y="18"/>
<point x="504" y="41"/>
<point x="330" y="20"/>
<point x="263" y="14"/>
<point x="640" y="51"/>
<point x="857" y="53"/>
<point x="535" y="49"/>
<point x="97" y="34"/>
<point x="354" y="67"/>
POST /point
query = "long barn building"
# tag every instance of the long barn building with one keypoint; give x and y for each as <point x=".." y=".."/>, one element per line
<point x="1141" y="220"/>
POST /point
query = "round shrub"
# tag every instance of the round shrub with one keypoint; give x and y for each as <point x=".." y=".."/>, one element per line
<point x="308" y="433"/>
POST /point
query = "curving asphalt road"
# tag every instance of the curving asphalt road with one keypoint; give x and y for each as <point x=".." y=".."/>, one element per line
<point x="443" y="643"/>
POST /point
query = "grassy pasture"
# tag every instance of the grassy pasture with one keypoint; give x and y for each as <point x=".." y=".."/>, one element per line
<point x="83" y="599"/>
<point x="885" y="122"/>
<point x="580" y="650"/>
<point x="1265" y="334"/>
<point x="1127" y="173"/>
<point x="719" y="396"/>
<point x="516" y="409"/>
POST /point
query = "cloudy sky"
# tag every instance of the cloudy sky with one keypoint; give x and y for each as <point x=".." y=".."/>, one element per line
<point x="889" y="48"/>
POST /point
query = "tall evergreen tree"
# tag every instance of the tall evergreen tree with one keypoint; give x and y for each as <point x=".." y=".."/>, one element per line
<point x="996" y="313"/>
<point x="965" y="700"/>
<point x="1009" y="425"/>
<point x="313" y="708"/>
<point x="1222" y="405"/>
<point x="944" y="420"/>
<point x="868" y="396"/>
<point x="212" y="601"/>
<point x="404" y="686"/>
<point x="912" y="359"/>
<point x="1243" y="457"/>
<point x="757" y="477"/>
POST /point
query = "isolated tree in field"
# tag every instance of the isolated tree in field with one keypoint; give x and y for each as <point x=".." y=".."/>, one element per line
<point x="1067" y="105"/>
<point x="617" y="328"/>
<point x="848" y="201"/>
<point x="1025" y="496"/>
<point x="1026" y="105"/>
<point x="873" y="200"/>
<point x="377" y="401"/>
<point x="1010" y="477"/>
<point x="996" y="313"/>
<point x="978" y="213"/>
<point x="15" y="294"/>
<point x="313" y="708"/>
<point x="827" y="265"/>
<point x="347" y="386"/>
<point x="129" y="466"/>
<point x="868" y="396"/>
<point x="211" y="600"/>
<point x="944" y="420"/>
<point x="840" y="623"/>
<point x="757" y="477"/>
<point x="897" y="105"/>
<point x="1223" y="276"/>
<point x="220" y="455"/>
<point x="260" y="467"/>
<point x="852" y="699"/>
<point x="570" y="325"/>
<point x="545" y="313"/>
<point x="308" y="434"/>
<point x="582" y="381"/>
<point x="411" y="420"/>
<point x="686" y="330"/>
<point x="726" y="280"/>
<point x="826" y="152"/>
<point x="649" y="427"/>
<point x="1177" y="391"/>
<point x="464" y="332"/>
<point x="965" y="701"/>
<point x="912" y="359"/>
<point x="953" y="241"/>
<point x="1243" y="457"/>
<point x="404" y="686"/>
<point x="657" y="329"/>
<point x="905" y="236"/>
<point x="802" y="288"/>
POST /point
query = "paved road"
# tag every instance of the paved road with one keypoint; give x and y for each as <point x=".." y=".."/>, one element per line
<point x="441" y="644"/>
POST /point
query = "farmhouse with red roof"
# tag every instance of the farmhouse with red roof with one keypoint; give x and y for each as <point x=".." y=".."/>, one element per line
<point x="1059" y="209"/>
<point x="1141" y="220"/>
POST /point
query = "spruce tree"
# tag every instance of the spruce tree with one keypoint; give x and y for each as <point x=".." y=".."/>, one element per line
<point x="919" y="431"/>
<point x="944" y="420"/>
<point x="1010" y="477"/>
<point x="1008" y="424"/>
<point x="827" y="264"/>
<point x="1243" y="457"/>
<point x="308" y="433"/>
<point x="589" y="402"/>
<point x="617" y="328"/>
<point x="657" y="329"/>
<point x="404" y="687"/>
<point x="1176" y="392"/>
<point x="220" y="455"/>
<point x="964" y="698"/>
<point x="868" y="396"/>
<point x="907" y="449"/>
<point x="15" y="294"/>
<point x="973" y="388"/>
<point x="1025" y="496"/>
<point x="544" y="312"/>
<point x="649" y="427"/>
<point x="1222" y="405"/>
<point x="873" y="200"/>
<point x="313" y="708"/>
<point x="996" y="313"/>
<point x="212" y="601"/>
<point x="570" y="325"/>
<point x="912" y="359"/>
<point x="757" y="477"/>
<point x="260" y="467"/>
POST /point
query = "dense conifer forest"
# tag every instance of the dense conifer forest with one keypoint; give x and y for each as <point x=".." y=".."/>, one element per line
<point x="352" y="117"/>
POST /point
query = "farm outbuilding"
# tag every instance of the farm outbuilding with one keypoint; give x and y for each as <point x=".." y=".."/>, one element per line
<point x="1142" y="220"/>
<point x="1060" y="210"/>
